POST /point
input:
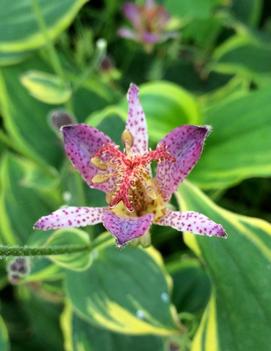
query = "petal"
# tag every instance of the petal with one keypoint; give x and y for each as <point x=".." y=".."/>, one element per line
<point x="126" y="229"/>
<point x="185" y="143"/>
<point x="70" y="217"/>
<point x="150" y="38"/>
<point x="127" y="33"/>
<point x="132" y="12"/>
<point x="81" y="142"/>
<point x="136" y="123"/>
<point x="193" y="222"/>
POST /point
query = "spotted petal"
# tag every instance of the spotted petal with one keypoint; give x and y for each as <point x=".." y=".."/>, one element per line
<point x="185" y="143"/>
<point x="126" y="229"/>
<point x="136" y="123"/>
<point x="70" y="217"/>
<point x="127" y="33"/>
<point x="193" y="222"/>
<point x="81" y="142"/>
<point x="132" y="12"/>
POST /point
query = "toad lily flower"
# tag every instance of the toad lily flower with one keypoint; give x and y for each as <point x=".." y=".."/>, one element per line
<point x="135" y="198"/>
<point x="149" y="22"/>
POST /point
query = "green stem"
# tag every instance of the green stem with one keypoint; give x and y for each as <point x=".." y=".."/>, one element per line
<point x="94" y="64"/>
<point x="53" y="56"/>
<point x="6" y="251"/>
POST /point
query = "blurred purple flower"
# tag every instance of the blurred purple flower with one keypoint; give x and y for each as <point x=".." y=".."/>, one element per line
<point x="135" y="199"/>
<point x="149" y="23"/>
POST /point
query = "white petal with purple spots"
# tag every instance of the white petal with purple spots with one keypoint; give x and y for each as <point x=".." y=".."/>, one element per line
<point x="136" y="123"/>
<point x="193" y="222"/>
<point x="126" y="229"/>
<point x="81" y="143"/>
<point x="70" y="217"/>
<point x="185" y="143"/>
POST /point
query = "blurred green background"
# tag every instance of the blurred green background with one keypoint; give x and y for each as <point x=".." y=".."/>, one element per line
<point x="211" y="64"/>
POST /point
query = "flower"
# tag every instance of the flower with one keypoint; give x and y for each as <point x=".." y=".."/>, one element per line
<point x="149" y="22"/>
<point x="135" y="198"/>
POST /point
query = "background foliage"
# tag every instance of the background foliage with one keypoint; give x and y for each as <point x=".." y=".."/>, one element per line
<point x="66" y="56"/>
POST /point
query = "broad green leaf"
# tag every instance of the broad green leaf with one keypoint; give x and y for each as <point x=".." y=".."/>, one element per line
<point x="191" y="285"/>
<point x="125" y="291"/>
<point x="245" y="56"/>
<point x="35" y="313"/>
<point x="19" y="28"/>
<point x="20" y="207"/>
<point x="4" y="342"/>
<point x="42" y="268"/>
<point x="12" y="58"/>
<point x="25" y="118"/>
<point x="187" y="9"/>
<point x="235" y="88"/>
<point x="240" y="144"/>
<point x="248" y="11"/>
<point x="79" y="335"/>
<point x="46" y="87"/>
<point x="239" y="312"/>
<point x="64" y="237"/>
<point x="166" y="106"/>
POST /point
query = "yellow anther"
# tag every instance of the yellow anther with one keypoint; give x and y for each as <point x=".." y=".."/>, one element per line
<point x="97" y="162"/>
<point x="151" y="193"/>
<point x="127" y="139"/>
<point x="100" y="178"/>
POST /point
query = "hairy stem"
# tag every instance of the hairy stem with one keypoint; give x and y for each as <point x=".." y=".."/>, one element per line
<point x="6" y="251"/>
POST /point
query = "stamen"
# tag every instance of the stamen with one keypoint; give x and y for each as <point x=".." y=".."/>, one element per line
<point x="97" y="162"/>
<point x="101" y="178"/>
<point x="127" y="139"/>
<point x="133" y="186"/>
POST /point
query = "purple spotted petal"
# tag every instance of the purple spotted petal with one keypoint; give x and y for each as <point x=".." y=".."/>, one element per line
<point x="67" y="217"/>
<point x="132" y="12"/>
<point x="127" y="33"/>
<point x="193" y="222"/>
<point x="81" y="142"/>
<point x="185" y="143"/>
<point x="150" y="4"/>
<point x="151" y="38"/>
<point x="126" y="229"/>
<point x="136" y="123"/>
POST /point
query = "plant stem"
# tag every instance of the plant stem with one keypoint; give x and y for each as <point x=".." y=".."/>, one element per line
<point x="55" y="61"/>
<point x="94" y="64"/>
<point x="6" y="251"/>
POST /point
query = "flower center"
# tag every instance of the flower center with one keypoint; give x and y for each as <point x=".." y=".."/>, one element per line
<point x="133" y="183"/>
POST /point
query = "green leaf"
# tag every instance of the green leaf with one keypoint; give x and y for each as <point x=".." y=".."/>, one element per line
<point x="124" y="291"/>
<point x="42" y="268"/>
<point x="166" y="106"/>
<point x="25" y="118"/>
<point x="248" y="11"/>
<point x="191" y="8"/>
<point x="191" y="285"/>
<point x="238" y="315"/>
<point x="23" y="32"/>
<point x="240" y="144"/>
<point x="20" y="207"/>
<point x="79" y="335"/>
<point x="4" y="342"/>
<point x="46" y="87"/>
<point x="244" y="55"/>
<point x="77" y="261"/>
